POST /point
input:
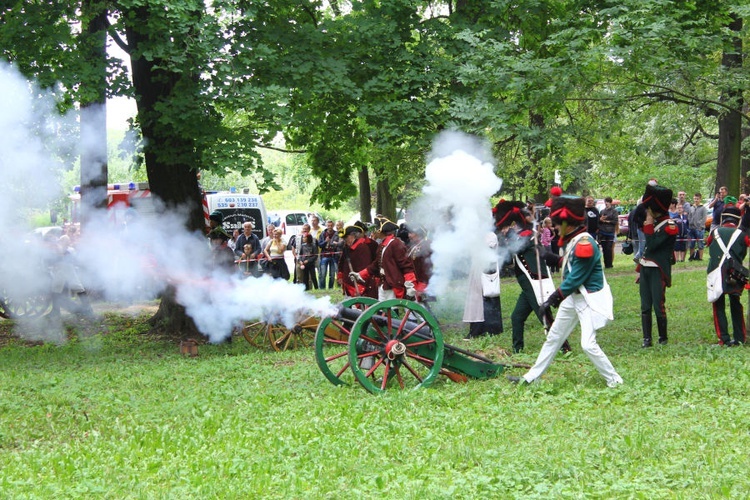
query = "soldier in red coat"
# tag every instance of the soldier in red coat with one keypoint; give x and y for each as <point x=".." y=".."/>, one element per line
<point x="420" y="253"/>
<point x="392" y="264"/>
<point x="358" y="253"/>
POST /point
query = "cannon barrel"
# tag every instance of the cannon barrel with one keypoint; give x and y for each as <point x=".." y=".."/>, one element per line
<point x="349" y="314"/>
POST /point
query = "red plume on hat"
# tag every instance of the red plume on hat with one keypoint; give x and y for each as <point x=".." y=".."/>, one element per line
<point x="554" y="192"/>
<point x="507" y="212"/>
<point x="570" y="209"/>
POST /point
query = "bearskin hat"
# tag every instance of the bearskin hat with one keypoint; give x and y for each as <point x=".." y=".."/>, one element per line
<point x="657" y="198"/>
<point x="570" y="209"/>
<point x="731" y="214"/>
<point x="508" y="212"/>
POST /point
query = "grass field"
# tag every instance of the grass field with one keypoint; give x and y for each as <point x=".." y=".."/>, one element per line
<point x="117" y="414"/>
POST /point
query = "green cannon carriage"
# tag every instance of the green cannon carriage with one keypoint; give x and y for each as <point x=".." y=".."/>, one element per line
<point x="391" y="344"/>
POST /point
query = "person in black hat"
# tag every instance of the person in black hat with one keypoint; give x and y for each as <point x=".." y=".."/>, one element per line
<point x="517" y="235"/>
<point x="731" y="286"/>
<point x="392" y="265"/>
<point x="359" y="252"/>
<point x="222" y="257"/>
<point x="582" y="275"/>
<point x="420" y="253"/>
<point x="215" y="219"/>
<point x="655" y="265"/>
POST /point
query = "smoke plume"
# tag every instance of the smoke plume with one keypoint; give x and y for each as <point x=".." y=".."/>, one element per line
<point x="121" y="262"/>
<point x="455" y="205"/>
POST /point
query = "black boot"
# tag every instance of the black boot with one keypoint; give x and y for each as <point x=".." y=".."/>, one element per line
<point x="661" y="324"/>
<point x="646" y="324"/>
<point x="84" y="306"/>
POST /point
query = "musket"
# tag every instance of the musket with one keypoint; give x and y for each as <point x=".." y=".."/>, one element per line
<point x="349" y="263"/>
<point x="539" y="274"/>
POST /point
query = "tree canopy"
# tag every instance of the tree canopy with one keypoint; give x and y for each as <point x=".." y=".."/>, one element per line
<point x="606" y="93"/>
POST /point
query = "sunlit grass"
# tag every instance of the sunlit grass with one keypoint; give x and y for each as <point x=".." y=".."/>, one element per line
<point x="120" y="415"/>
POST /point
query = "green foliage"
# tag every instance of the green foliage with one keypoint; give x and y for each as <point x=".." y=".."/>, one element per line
<point x="606" y="94"/>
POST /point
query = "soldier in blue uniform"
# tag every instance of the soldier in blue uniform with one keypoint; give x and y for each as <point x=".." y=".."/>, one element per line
<point x="582" y="275"/>
<point x="655" y="265"/>
<point x="731" y="286"/>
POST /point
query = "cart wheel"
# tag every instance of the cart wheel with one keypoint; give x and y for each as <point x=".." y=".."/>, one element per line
<point x="299" y="336"/>
<point x="332" y="342"/>
<point x="31" y="306"/>
<point x="396" y="343"/>
<point x="256" y="333"/>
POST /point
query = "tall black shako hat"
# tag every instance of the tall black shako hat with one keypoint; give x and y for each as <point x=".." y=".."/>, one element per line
<point x="657" y="198"/>
<point x="508" y="212"/>
<point x="731" y="214"/>
<point x="568" y="209"/>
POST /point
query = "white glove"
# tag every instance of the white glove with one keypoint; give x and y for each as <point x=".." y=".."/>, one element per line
<point x="355" y="277"/>
<point x="411" y="292"/>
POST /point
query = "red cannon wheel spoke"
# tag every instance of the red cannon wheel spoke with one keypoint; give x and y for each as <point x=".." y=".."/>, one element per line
<point x="414" y="330"/>
<point x="406" y="341"/>
<point x="343" y="369"/>
<point x="376" y="365"/>
<point x="413" y="371"/>
<point x="421" y="342"/>
<point x="331" y="343"/>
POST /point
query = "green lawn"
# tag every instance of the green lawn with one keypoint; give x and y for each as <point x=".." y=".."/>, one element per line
<point x="120" y="415"/>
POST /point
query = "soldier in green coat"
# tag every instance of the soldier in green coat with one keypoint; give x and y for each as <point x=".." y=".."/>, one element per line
<point x="518" y="237"/>
<point x="731" y="287"/>
<point x="655" y="266"/>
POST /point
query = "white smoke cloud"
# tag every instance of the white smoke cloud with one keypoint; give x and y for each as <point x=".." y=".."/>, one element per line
<point x="455" y="205"/>
<point x="122" y="262"/>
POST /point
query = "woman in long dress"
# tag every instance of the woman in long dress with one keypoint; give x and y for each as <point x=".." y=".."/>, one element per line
<point x="483" y="314"/>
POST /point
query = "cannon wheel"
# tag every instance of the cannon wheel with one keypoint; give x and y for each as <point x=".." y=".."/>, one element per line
<point x="32" y="306"/>
<point x="256" y="333"/>
<point x="396" y="343"/>
<point x="301" y="335"/>
<point x="332" y="342"/>
<point x="278" y="336"/>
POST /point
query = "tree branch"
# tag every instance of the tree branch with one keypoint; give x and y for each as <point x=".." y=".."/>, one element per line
<point x="282" y="149"/>
<point x="117" y="38"/>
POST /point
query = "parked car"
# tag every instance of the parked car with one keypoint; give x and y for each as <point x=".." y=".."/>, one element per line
<point x="623" y="224"/>
<point x="290" y="221"/>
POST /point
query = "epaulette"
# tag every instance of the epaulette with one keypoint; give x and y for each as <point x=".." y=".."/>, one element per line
<point x="584" y="249"/>
<point x="671" y="228"/>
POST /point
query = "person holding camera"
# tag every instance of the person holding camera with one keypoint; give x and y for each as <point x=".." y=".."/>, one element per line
<point x="733" y="279"/>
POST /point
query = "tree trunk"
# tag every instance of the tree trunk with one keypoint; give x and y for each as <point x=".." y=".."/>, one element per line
<point x="386" y="203"/>
<point x="94" y="111"/>
<point x="365" y="201"/>
<point x="171" y="177"/>
<point x="730" y="123"/>
<point x="745" y="163"/>
<point x="535" y="181"/>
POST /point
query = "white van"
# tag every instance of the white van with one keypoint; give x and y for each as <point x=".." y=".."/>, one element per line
<point x="238" y="208"/>
<point x="291" y="221"/>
